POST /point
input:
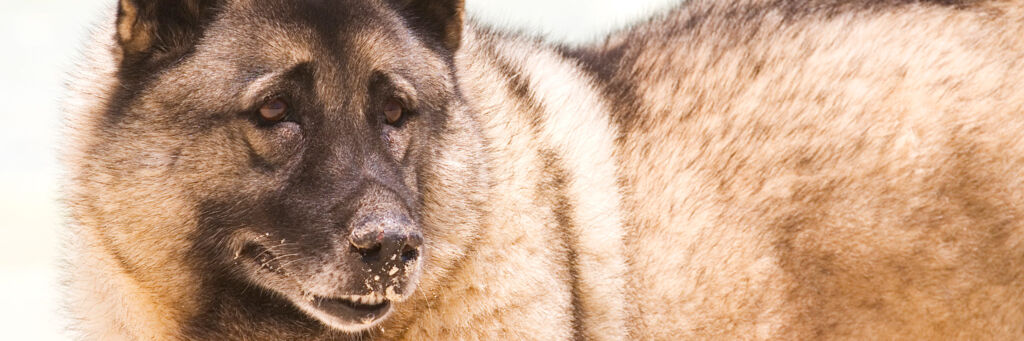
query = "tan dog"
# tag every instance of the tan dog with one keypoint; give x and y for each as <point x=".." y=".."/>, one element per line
<point x="361" y="169"/>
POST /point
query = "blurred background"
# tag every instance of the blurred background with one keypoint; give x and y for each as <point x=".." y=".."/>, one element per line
<point x="40" y="41"/>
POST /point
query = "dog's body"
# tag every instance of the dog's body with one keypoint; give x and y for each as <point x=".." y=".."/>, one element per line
<point x="751" y="170"/>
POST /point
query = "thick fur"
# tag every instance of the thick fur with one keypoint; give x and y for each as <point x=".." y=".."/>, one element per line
<point x="747" y="170"/>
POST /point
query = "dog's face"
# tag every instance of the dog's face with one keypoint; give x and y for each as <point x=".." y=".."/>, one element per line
<point x="297" y="132"/>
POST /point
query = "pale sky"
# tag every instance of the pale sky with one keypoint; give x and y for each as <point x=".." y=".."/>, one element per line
<point x="39" y="43"/>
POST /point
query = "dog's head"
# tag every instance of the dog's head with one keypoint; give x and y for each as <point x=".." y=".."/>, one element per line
<point x="284" y="145"/>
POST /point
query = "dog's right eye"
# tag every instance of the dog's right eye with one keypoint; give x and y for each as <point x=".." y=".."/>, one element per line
<point x="274" y="110"/>
<point x="393" y="112"/>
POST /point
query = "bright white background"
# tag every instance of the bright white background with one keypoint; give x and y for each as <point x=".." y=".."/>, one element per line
<point x="39" y="42"/>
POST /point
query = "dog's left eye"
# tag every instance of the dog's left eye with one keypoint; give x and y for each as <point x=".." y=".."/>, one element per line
<point x="274" y="110"/>
<point x="393" y="112"/>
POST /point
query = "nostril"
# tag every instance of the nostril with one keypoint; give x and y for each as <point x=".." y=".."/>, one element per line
<point x="411" y="250"/>
<point x="410" y="253"/>
<point x="368" y="252"/>
<point x="365" y="246"/>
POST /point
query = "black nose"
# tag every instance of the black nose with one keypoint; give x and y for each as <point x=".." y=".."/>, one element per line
<point x="386" y="238"/>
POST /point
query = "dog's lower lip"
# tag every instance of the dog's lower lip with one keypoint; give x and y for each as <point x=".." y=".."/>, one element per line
<point x="349" y="309"/>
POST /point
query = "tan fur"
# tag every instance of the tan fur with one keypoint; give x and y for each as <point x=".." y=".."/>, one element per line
<point x="857" y="177"/>
<point x="755" y="170"/>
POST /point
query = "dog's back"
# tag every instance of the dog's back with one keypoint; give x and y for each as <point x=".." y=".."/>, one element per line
<point x="808" y="170"/>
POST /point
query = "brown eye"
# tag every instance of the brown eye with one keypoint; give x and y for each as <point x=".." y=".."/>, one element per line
<point x="274" y="110"/>
<point x="392" y="112"/>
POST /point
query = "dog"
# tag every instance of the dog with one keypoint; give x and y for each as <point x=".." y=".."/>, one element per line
<point x="388" y="170"/>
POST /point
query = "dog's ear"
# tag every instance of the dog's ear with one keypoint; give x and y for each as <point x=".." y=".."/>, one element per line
<point x="437" y="19"/>
<point x="147" y="26"/>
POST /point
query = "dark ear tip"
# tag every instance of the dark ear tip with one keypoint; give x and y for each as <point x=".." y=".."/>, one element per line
<point x="454" y="30"/>
<point x="441" y="19"/>
<point x="141" y="25"/>
<point x="453" y="36"/>
<point x="130" y="37"/>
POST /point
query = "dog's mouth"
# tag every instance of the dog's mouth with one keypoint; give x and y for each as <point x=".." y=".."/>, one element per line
<point x="360" y="305"/>
<point x="351" y="313"/>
